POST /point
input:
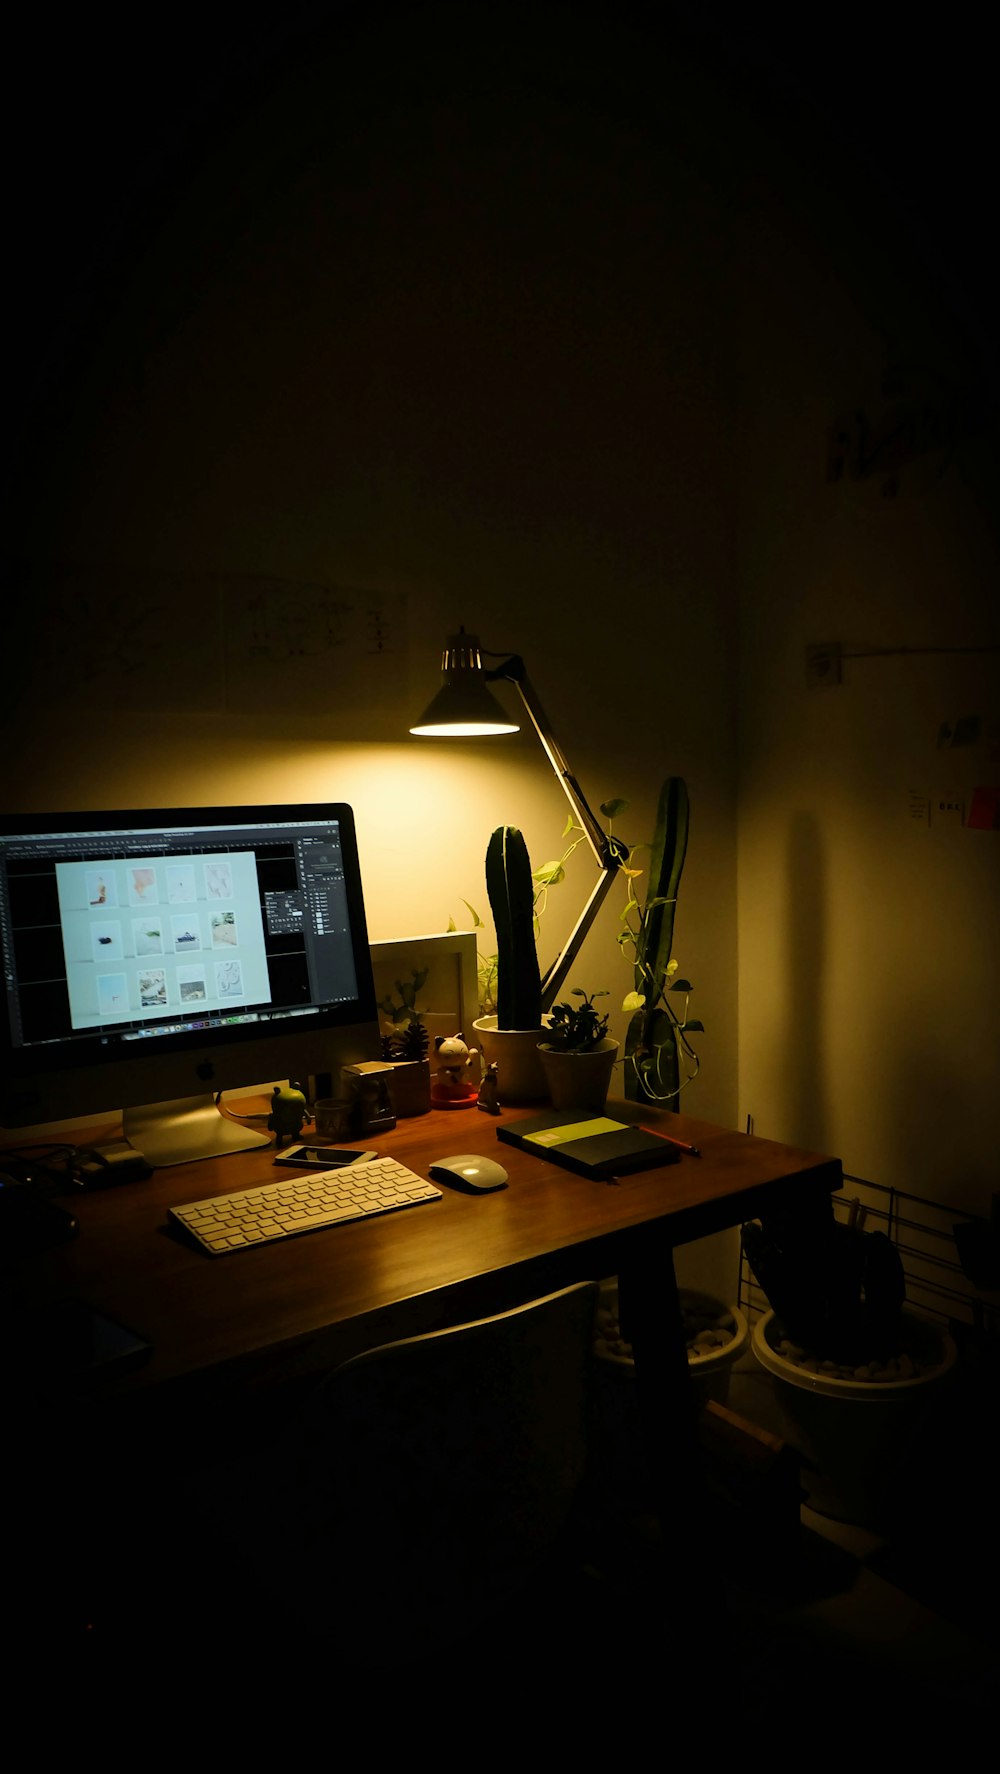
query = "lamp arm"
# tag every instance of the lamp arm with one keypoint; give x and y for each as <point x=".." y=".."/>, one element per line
<point x="609" y="853"/>
<point x="555" y="977"/>
<point x="603" y="847"/>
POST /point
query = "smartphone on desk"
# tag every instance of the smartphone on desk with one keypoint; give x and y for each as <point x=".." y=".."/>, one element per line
<point x="324" y="1157"/>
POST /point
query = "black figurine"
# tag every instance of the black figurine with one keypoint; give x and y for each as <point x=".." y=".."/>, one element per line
<point x="487" y="1098"/>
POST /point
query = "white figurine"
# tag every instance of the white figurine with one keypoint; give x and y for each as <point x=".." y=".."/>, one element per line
<point x="454" y="1081"/>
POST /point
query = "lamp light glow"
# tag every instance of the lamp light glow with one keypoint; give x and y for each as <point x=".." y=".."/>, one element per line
<point x="465" y="707"/>
<point x="452" y="729"/>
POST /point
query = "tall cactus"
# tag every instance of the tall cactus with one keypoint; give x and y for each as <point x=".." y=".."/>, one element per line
<point x="653" y="1034"/>
<point x="511" y="893"/>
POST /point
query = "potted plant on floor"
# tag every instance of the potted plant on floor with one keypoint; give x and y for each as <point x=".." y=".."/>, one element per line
<point x="855" y="1370"/>
<point x="406" y="1047"/>
<point x="578" y="1054"/>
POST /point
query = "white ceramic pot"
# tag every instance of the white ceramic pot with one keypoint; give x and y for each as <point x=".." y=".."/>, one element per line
<point x="717" y="1335"/>
<point x="579" y="1080"/>
<point x="853" y="1433"/>
<point x="514" y="1052"/>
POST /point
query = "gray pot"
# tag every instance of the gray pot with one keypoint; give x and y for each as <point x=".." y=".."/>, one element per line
<point x="854" y="1433"/>
<point x="579" y="1080"/>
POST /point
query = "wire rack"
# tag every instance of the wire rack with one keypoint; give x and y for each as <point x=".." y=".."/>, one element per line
<point x="923" y="1232"/>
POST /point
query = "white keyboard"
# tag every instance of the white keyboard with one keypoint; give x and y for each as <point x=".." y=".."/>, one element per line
<point x="292" y="1205"/>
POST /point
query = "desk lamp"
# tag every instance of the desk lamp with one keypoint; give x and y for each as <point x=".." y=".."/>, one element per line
<point x="466" y="708"/>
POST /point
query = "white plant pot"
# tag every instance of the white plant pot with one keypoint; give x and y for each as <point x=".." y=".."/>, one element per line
<point x="579" y="1080"/>
<point x="718" y="1334"/>
<point x="514" y="1052"/>
<point x="853" y="1434"/>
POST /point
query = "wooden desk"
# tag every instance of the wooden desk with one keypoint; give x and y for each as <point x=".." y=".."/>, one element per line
<point x="305" y="1303"/>
<point x="235" y="1334"/>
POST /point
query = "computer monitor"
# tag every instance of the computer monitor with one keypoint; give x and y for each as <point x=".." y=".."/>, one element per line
<point x="155" y="958"/>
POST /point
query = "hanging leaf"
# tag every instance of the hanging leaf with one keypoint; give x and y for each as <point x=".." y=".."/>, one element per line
<point x="549" y="875"/>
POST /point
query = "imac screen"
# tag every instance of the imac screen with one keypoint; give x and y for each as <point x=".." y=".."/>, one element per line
<point x="156" y="958"/>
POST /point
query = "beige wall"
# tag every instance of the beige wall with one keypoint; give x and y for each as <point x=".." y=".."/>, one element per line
<point x="869" y="1009"/>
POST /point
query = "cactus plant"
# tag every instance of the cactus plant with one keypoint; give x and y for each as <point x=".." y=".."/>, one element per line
<point x="511" y="892"/>
<point x="549" y="875"/>
<point x="659" y="1058"/>
<point x="838" y="1291"/>
<point x="657" y="1049"/>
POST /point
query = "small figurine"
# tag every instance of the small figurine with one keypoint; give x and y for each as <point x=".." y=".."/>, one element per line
<point x="288" y="1111"/>
<point x="487" y="1098"/>
<point x="453" y="1082"/>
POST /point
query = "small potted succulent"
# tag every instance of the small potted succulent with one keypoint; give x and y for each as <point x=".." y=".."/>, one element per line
<point x="406" y="1047"/>
<point x="578" y="1054"/>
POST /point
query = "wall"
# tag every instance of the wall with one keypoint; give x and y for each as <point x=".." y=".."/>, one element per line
<point x="446" y="332"/>
<point x="869" y="1011"/>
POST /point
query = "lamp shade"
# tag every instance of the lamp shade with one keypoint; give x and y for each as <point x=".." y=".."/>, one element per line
<point x="465" y="706"/>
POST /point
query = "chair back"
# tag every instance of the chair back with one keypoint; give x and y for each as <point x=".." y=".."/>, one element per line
<point x="451" y="1462"/>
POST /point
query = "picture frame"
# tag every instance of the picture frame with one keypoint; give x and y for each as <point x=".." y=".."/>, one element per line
<point x="448" y="1002"/>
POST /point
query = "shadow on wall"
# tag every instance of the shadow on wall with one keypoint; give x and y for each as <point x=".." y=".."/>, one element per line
<point x="938" y="1087"/>
<point x="805" y="957"/>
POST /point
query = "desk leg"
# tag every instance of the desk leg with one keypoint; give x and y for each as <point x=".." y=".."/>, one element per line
<point x="651" y="1320"/>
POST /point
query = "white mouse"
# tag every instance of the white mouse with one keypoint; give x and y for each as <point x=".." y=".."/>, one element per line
<point x="470" y="1172"/>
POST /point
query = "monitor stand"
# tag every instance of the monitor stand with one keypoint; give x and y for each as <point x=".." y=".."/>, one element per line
<point x="190" y="1128"/>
